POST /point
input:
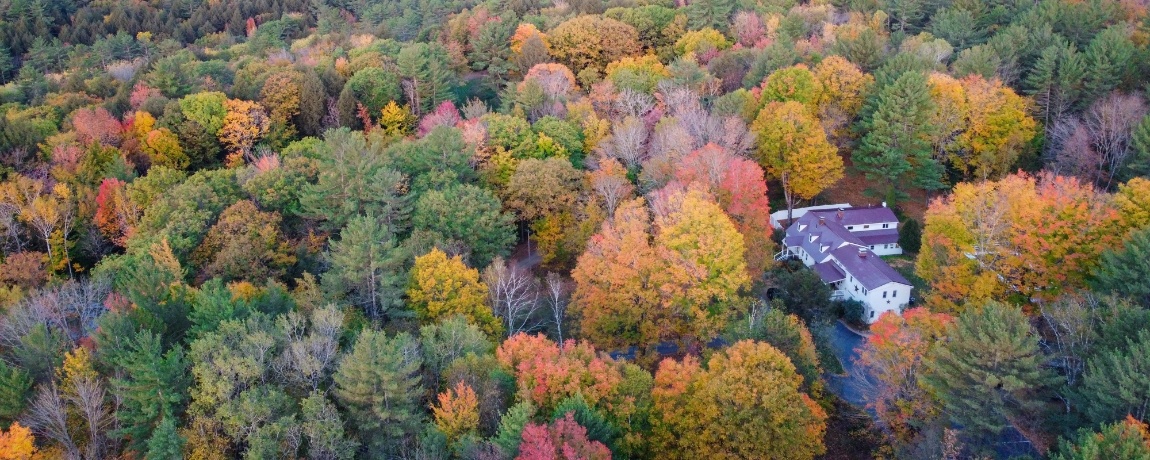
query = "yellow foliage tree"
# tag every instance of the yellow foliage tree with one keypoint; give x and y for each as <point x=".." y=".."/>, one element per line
<point x="590" y="42"/>
<point x="745" y="404"/>
<point x="1033" y="237"/>
<point x="396" y="121"/>
<point x="17" y="443"/>
<point x="844" y="87"/>
<point x="442" y="286"/>
<point x="457" y="413"/>
<point x="1000" y="127"/>
<point x="793" y="149"/>
<point x="632" y="289"/>
<point x="244" y="124"/>
<point x="701" y="40"/>
<point x="163" y="147"/>
<point x="523" y="32"/>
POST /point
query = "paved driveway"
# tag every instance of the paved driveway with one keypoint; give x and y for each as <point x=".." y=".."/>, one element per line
<point x="845" y="344"/>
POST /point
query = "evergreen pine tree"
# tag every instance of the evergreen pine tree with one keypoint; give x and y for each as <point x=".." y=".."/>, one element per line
<point x="366" y="267"/>
<point x="427" y="74"/>
<point x="154" y="387"/>
<point x="1139" y="164"/>
<point x="378" y="386"/>
<point x="15" y="385"/>
<point x="1126" y="272"/>
<point x="897" y="147"/>
<point x="1115" y="385"/>
<point x="989" y="371"/>
<point x="166" y="443"/>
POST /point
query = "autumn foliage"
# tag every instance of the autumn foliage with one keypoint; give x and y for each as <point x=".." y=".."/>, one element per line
<point x="892" y="360"/>
<point x="563" y="439"/>
<point x="547" y="373"/>
<point x="1034" y="236"/>
<point x="457" y="412"/>
<point x="18" y="444"/>
<point x="746" y="403"/>
<point x="670" y="272"/>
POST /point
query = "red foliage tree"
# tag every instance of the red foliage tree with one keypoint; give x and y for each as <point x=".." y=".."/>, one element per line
<point x="116" y="216"/>
<point x="547" y="373"/>
<point x="444" y="115"/>
<point x="96" y="125"/>
<point x="892" y="357"/>
<point x="740" y="189"/>
<point x="140" y="94"/>
<point x="563" y="439"/>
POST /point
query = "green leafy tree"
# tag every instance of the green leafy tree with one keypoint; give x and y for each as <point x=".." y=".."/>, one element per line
<point x="166" y="443"/>
<point x="373" y="87"/>
<point x="440" y="154"/>
<point x="207" y="109"/>
<point x="354" y="181"/>
<point x="1126" y="271"/>
<point x="426" y="70"/>
<point x="1114" y="383"/>
<point x="449" y="339"/>
<point x="897" y="151"/>
<point x="466" y="219"/>
<point x="989" y="373"/>
<point x="378" y="386"/>
<point x="367" y="267"/>
<point x="323" y="428"/>
<point x="803" y="293"/>
<point x="152" y="391"/>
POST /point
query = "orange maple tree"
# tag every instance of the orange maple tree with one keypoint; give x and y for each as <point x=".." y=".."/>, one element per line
<point x="892" y="360"/>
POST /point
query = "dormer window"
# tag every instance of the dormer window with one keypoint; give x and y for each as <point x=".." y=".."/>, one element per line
<point x="811" y="239"/>
<point x="802" y="227"/>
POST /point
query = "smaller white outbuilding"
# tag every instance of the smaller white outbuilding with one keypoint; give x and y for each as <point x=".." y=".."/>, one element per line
<point x="844" y="246"/>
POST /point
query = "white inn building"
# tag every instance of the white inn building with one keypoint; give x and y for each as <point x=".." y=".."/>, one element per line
<point x="843" y="246"/>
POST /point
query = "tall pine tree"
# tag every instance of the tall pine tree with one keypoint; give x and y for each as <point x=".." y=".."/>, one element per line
<point x="153" y="388"/>
<point x="897" y="149"/>
<point x="989" y="372"/>
<point x="378" y="386"/>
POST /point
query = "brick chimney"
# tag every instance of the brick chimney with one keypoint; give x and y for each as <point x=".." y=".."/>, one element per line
<point x="822" y="221"/>
<point x="840" y="214"/>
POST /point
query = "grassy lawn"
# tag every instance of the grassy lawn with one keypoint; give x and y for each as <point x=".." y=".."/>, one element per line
<point x="904" y="265"/>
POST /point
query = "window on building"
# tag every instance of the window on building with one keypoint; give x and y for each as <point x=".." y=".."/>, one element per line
<point x="894" y="293"/>
<point x="850" y="227"/>
<point x="872" y="314"/>
<point x="885" y="225"/>
<point x="866" y="227"/>
<point x="872" y="246"/>
<point x="884" y="294"/>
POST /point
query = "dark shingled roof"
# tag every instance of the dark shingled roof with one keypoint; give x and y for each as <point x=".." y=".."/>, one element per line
<point x="870" y="271"/>
<point x="829" y="272"/>
<point x="859" y="216"/>
<point x="880" y="236"/>
<point x="832" y="238"/>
